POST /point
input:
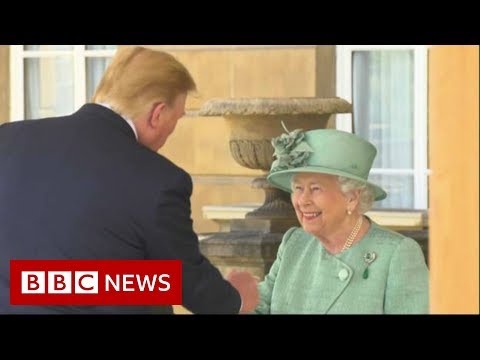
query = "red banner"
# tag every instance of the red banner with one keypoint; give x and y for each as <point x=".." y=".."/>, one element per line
<point x="95" y="282"/>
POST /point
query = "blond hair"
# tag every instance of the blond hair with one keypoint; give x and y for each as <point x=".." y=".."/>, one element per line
<point x="137" y="77"/>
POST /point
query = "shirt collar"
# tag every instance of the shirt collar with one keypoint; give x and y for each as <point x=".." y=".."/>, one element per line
<point x="130" y="122"/>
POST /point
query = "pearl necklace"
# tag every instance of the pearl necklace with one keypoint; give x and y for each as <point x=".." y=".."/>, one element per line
<point x="353" y="234"/>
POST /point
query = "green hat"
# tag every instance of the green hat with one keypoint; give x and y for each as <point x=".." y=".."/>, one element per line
<point x="324" y="151"/>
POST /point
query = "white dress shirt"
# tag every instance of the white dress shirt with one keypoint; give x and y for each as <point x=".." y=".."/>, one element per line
<point x="129" y="122"/>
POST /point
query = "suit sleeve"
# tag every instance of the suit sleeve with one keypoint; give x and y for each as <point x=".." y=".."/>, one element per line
<point x="407" y="290"/>
<point x="204" y="289"/>
<point x="265" y="288"/>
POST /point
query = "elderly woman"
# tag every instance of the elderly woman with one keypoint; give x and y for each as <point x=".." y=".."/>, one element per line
<point x="339" y="261"/>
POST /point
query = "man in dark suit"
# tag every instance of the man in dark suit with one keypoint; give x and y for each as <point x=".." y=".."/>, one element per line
<point x="91" y="185"/>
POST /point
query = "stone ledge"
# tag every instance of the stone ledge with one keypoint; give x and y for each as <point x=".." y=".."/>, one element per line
<point x="395" y="220"/>
<point x="273" y="106"/>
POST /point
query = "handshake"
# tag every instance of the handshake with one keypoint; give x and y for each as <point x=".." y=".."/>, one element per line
<point x="246" y="285"/>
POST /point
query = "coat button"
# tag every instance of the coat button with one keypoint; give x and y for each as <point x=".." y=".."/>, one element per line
<point x="343" y="274"/>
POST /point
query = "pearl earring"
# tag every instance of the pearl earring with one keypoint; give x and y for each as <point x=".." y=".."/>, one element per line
<point x="349" y="212"/>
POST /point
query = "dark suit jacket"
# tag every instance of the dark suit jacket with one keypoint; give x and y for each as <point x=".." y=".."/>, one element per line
<point x="82" y="187"/>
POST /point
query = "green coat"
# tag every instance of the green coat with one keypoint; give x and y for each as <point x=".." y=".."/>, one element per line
<point x="306" y="279"/>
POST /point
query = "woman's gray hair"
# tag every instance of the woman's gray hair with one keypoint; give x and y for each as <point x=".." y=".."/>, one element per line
<point x="366" y="196"/>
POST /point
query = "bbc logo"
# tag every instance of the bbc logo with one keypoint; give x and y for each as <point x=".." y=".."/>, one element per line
<point x="59" y="282"/>
<point x="95" y="282"/>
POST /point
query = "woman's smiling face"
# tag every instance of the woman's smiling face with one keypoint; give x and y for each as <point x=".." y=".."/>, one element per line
<point x="319" y="203"/>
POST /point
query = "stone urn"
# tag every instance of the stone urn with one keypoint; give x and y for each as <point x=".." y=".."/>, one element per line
<point x="253" y="122"/>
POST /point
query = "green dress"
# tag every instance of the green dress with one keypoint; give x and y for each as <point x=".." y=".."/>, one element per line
<point x="306" y="279"/>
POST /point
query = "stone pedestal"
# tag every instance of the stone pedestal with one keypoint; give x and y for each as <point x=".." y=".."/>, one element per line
<point x="252" y="244"/>
<point x="241" y="250"/>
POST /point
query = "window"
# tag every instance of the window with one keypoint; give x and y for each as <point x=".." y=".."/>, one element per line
<point x="387" y="85"/>
<point x="52" y="80"/>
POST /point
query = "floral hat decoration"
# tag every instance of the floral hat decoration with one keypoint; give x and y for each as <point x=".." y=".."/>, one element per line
<point x="324" y="151"/>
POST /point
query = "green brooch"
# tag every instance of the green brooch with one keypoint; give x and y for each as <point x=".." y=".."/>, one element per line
<point x="369" y="258"/>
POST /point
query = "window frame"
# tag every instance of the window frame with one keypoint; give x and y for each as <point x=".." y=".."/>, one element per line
<point x="344" y="122"/>
<point x="79" y="54"/>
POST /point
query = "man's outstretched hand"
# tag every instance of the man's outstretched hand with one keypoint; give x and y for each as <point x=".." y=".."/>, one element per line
<point x="246" y="285"/>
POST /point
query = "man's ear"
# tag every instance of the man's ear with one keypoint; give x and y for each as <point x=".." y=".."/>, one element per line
<point x="156" y="117"/>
